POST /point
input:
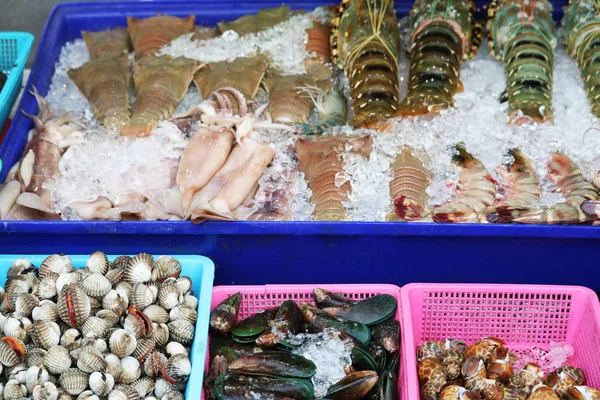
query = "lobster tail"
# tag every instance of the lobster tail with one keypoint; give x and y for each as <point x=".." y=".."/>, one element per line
<point x="408" y="187"/>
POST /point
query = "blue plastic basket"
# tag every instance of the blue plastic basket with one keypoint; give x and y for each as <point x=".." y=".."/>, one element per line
<point x="255" y="253"/>
<point x="202" y="272"/>
<point x="14" y="50"/>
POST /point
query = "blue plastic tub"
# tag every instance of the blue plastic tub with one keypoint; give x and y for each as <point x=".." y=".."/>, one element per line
<point x="14" y="50"/>
<point x="202" y="272"/>
<point x="255" y="253"/>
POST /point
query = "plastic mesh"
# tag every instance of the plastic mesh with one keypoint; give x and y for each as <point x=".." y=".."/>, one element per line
<point x="586" y="343"/>
<point x="473" y="315"/>
<point x="8" y="54"/>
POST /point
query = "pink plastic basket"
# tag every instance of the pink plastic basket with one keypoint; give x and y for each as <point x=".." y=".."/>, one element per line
<point x="523" y="315"/>
<point x="257" y="298"/>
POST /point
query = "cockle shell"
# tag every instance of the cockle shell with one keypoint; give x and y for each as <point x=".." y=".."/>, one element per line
<point x="45" y="311"/>
<point x="190" y="301"/>
<point x="67" y="279"/>
<point x="46" y="288"/>
<point x="45" y="334"/>
<point x="178" y="367"/>
<point x="173" y="395"/>
<point x="73" y="305"/>
<point x="57" y="263"/>
<point x="122" y="343"/>
<point x="166" y="267"/>
<point x="137" y="323"/>
<point x="11" y="351"/>
<point x="120" y="262"/>
<point x="101" y="383"/>
<point x="18" y="373"/>
<point x="57" y="360"/>
<point x="154" y="363"/>
<point x="35" y="376"/>
<point x="99" y="344"/>
<point x="157" y="314"/>
<point x="94" y="327"/>
<point x="143" y="386"/>
<point x="181" y="331"/>
<point x="113" y="366"/>
<point x="48" y="391"/>
<point x="124" y="289"/>
<point x="174" y="348"/>
<point x="144" y="347"/>
<point x="14" y="328"/>
<point x="139" y="269"/>
<point x="183" y="312"/>
<point x="131" y="370"/>
<point x="115" y="275"/>
<point x="74" y="381"/>
<point x="90" y="360"/>
<point x="123" y="392"/>
<point x="141" y="295"/>
<point x="71" y="338"/>
<point x="87" y="395"/>
<point x="18" y="267"/>
<point x="14" y="390"/>
<point x="169" y="295"/>
<point x="25" y="303"/>
<point x="115" y="302"/>
<point x="97" y="263"/>
<point x="96" y="285"/>
<point x="35" y="356"/>
<point x="109" y="316"/>
<point x="162" y="387"/>
<point x="185" y="284"/>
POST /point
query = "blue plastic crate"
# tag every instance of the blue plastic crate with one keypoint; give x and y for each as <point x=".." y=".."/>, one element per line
<point x="256" y="253"/>
<point x="202" y="272"/>
<point x="14" y="50"/>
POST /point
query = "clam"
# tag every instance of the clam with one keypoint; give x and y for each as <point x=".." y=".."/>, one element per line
<point x="115" y="275"/>
<point x="71" y="338"/>
<point x="169" y="294"/>
<point x="57" y="360"/>
<point x="45" y="334"/>
<point x="74" y="381"/>
<point x="143" y="386"/>
<point x="101" y="383"/>
<point x="166" y="267"/>
<point x="139" y="270"/>
<point x="35" y="356"/>
<point x="162" y="387"/>
<point x="97" y="263"/>
<point x="18" y="373"/>
<point x="178" y="368"/>
<point x="113" y="366"/>
<point x="175" y="348"/>
<point x="181" y="331"/>
<point x="91" y="360"/>
<point x="120" y="262"/>
<point x="87" y="395"/>
<point x="25" y="303"/>
<point x="122" y="343"/>
<point x="141" y="295"/>
<point x="185" y="284"/>
<point x="131" y="370"/>
<point x="183" y="312"/>
<point x="14" y="328"/>
<point x="67" y="279"/>
<point x="14" y="390"/>
<point x="109" y="316"/>
<point x="115" y="302"/>
<point x="35" y="376"/>
<point x="157" y="314"/>
<point x="124" y="288"/>
<point x="123" y="392"/>
<point x="18" y="267"/>
<point x="21" y="284"/>
<point x="56" y="263"/>
<point x="94" y="327"/>
<point x="137" y="323"/>
<point x="47" y="391"/>
<point x="160" y="333"/>
<point x="96" y="285"/>
<point x="99" y="344"/>
<point x="45" y="311"/>
<point x="144" y="347"/>
<point x="46" y="288"/>
<point x="173" y="395"/>
<point x="11" y="351"/>
<point x="154" y="363"/>
<point x="73" y="305"/>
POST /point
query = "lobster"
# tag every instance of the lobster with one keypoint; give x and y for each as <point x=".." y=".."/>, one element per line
<point x="365" y="43"/>
<point x="521" y="35"/>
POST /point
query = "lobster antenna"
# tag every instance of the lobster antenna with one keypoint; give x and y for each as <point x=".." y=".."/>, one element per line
<point x="597" y="6"/>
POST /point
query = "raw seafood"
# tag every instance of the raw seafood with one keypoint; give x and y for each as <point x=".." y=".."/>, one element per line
<point x="287" y="105"/>
<point x="333" y="110"/>
<point x="408" y="187"/>
<point x="105" y="83"/>
<point x="160" y="84"/>
<point x="150" y="34"/>
<point x="110" y="43"/>
<point x="318" y="65"/>
<point x="264" y="19"/>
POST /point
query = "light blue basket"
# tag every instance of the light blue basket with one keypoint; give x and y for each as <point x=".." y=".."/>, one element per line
<point x="202" y="272"/>
<point x="14" y="50"/>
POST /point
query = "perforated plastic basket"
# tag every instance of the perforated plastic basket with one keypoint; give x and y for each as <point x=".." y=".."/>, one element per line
<point x="202" y="272"/>
<point x="14" y="50"/>
<point x="257" y="298"/>
<point x="522" y="315"/>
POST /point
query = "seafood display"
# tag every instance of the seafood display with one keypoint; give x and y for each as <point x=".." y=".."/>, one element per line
<point x="344" y="113"/>
<point x="278" y="353"/>
<point x="120" y="329"/>
<point x="453" y="370"/>
<point x="522" y="37"/>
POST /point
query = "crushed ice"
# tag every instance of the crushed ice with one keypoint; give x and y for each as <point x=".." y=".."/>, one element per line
<point x="329" y="353"/>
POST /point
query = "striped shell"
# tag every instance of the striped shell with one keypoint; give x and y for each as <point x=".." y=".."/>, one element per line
<point x="154" y="363"/>
<point x="21" y="284"/>
<point x="181" y="331"/>
<point x="18" y="266"/>
<point x="162" y="387"/>
<point x="131" y="370"/>
<point x="11" y="351"/>
<point x="67" y="279"/>
<point x="178" y="367"/>
<point x="183" y="312"/>
<point x="169" y="294"/>
<point x="57" y="360"/>
<point x="124" y="288"/>
<point x="87" y="395"/>
<point x="141" y="295"/>
<point x="45" y="334"/>
<point x="13" y="327"/>
<point x="115" y="275"/>
<point x="71" y="338"/>
<point x="47" y="286"/>
<point x="122" y="343"/>
<point x="36" y="376"/>
<point x="57" y="263"/>
<point x="166" y="267"/>
<point x="96" y="285"/>
<point x="74" y="381"/>
<point x="73" y="305"/>
<point x="143" y="386"/>
<point x="109" y="316"/>
<point x="123" y="392"/>
<point x="113" y="366"/>
<point x="48" y="391"/>
<point x="191" y="301"/>
<point x="115" y="302"/>
<point x="35" y="356"/>
<point x="120" y="262"/>
<point x="45" y="311"/>
<point x="173" y="395"/>
<point x="144" y="347"/>
<point x="160" y="333"/>
<point x="175" y="348"/>
<point x="185" y="284"/>
<point x="25" y="303"/>
<point x="97" y="263"/>
<point x="14" y="390"/>
<point x="139" y="269"/>
<point x="94" y="327"/>
<point x="101" y="383"/>
<point x="91" y="360"/>
<point x="157" y="314"/>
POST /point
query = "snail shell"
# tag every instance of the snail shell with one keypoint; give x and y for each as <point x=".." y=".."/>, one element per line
<point x="96" y="285"/>
<point x="157" y="314"/>
<point x="45" y="334"/>
<point x="57" y="263"/>
<point x="101" y="383"/>
<point x="57" y="360"/>
<point x="181" y="331"/>
<point x="122" y="343"/>
<point x="97" y="263"/>
<point x="139" y="270"/>
<point x="73" y="305"/>
<point x="131" y="370"/>
<point x="74" y="381"/>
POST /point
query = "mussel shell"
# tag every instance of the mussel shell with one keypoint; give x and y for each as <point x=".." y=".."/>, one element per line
<point x="45" y="334"/>
<point x="101" y="383"/>
<point x="225" y="315"/>
<point x="274" y="363"/>
<point x="97" y="263"/>
<point x="57" y="360"/>
<point x="254" y="325"/>
<point x="320" y="320"/>
<point x="378" y="357"/>
<point x="387" y="334"/>
<point x="96" y="285"/>
<point x="181" y="331"/>
<point x="325" y="298"/>
<point x="74" y="381"/>
<point x="73" y="305"/>
<point x="287" y="321"/>
<point x="370" y="311"/>
<point x="237" y="385"/>
<point x="353" y="386"/>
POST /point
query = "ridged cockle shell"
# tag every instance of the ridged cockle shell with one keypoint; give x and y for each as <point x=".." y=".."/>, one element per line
<point x="160" y="333"/>
<point x="122" y="343"/>
<point x="113" y="366"/>
<point x="36" y="376"/>
<point x="94" y="327"/>
<point x="46" y="288"/>
<point x="14" y="390"/>
<point x="139" y="270"/>
<point x="47" y="391"/>
<point x="166" y="267"/>
<point x="57" y="360"/>
<point x="67" y="279"/>
<point x="173" y="395"/>
<point x="190" y="301"/>
<point x="109" y="316"/>
<point x="45" y="311"/>
<point x="141" y="295"/>
<point x="154" y="363"/>
<point x="178" y="368"/>
<point x="96" y="285"/>
<point x="11" y="351"/>
<point x="143" y="386"/>
<point x="120" y="262"/>
<point x="115" y="275"/>
<point x="45" y="334"/>
<point x="169" y="294"/>
<point x="157" y="314"/>
<point x="162" y="387"/>
<point x="124" y="288"/>
<point x="18" y="267"/>
<point x="15" y="328"/>
<point x="25" y="303"/>
<point x="91" y="360"/>
<point x="97" y="263"/>
<point x="35" y="356"/>
<point x="185" y="284"/>
<point x="87" y="395"/>
<point x="174" y="348"/>
<point x="181" y="331"/>
<point x="183" y="312"/>
<point x="137" y="322"/>
<point x="71" y="338"/>
<point x="74" y="381"/>
<point x="101" y="383"/>
<point x="115" y="302"/>
<point x="73" y="305"/>
<point x="131" y="370"/>
<point x="123" y="392"/>
<point x="144" y="347"/>
<point x="57" y="263"/>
